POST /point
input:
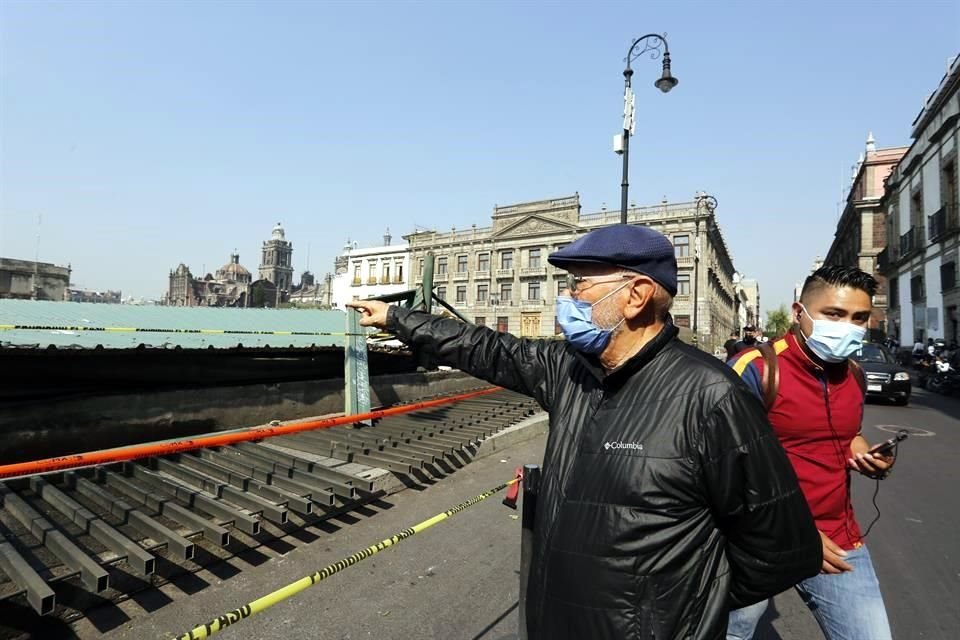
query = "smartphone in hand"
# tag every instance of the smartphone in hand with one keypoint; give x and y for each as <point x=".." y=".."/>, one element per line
<point x="887" y="446"/>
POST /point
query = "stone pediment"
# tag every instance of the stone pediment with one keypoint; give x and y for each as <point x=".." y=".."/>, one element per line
<point x="534" y="225"/>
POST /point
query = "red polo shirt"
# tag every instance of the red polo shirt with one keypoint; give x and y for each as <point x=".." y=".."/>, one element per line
<point x="816" y="415"/>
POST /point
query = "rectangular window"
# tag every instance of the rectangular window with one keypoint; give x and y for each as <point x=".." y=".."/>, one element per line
<point x="893" y="293"/>
<point x="399" y="272"/>
<point x="502" y="324"/>
<point x="462" y="263"/>
<point x="533" y="259"/>
<point x="480" y="321"/>
<point x="372" y="270"/>
<point x="483" y="262"/>
<point x="681" y="246"/>
<point x="533" y="290"/>
<point x="561" y="287"/>
<point x="442" y="293"/>
<point x="948" y="276"/>
<point x="461" y="293"/>
<point x="420" y="267"/>
<point x="506" y="293"/>
<point x="356" y="270"/>
<point x="442" y="265"/>
<point x="916" y="288"/>
<point x="482" y="292"/>
<point x="683" y="284"/>
<point x="386" y="272"/>
<point x="682" y="321"/>
<point x="506" y="259"/>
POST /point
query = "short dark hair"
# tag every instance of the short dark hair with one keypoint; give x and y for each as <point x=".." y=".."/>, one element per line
<point x="839" y="276"/>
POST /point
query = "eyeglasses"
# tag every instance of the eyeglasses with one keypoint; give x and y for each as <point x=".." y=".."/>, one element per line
<point x="574" y="282"/>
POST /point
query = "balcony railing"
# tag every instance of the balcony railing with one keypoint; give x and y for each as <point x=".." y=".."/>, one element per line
<point x="372" y="280"/>
<point x="538" y="302"/>
<point x="911" y="241"/>
<point x="685" y="261"/>
<point x="461" y="275"/>
<point x="504" y="273"/>
<point x="533" y="272"/>
<point x="883" y="260"/>
<point x="937" y="224"/>
<point x="943" y="222"/>
<point x="356" y="282"/>
<point x="441" y="277"/>
<point x="481" y="275"/>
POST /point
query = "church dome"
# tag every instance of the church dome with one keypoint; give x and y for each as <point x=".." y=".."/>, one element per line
<point x="278" y="233"/>
<point x="233" y="271"/>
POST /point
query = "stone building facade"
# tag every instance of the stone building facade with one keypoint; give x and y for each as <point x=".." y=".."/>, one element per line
<point x="29" y="280"/>
<point x="861" y="231"/>
<point x="921" y="200"/>
<point x="499" y="275"/>
<point x="230" y="287"/>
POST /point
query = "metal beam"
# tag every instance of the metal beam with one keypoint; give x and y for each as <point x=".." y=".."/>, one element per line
<point x="167" y="507"/>
<point x="92" y="575"/>
<point x="137" y="557"/>
<point x="129" y="515"/>
<point x="263" y="473"/>
<point x="208" y="504"/>
<point x="246" y="482"/>
<point x="222" y="491"/>
<point x="39" y="594"/>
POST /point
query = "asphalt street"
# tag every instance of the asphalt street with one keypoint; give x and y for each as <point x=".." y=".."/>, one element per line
<point x="459" y="579"/>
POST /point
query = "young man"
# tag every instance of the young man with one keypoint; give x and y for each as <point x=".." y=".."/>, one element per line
<point x="817" y="411"/>
<point x="749" y="339"/>
<point x="665" y="497"/>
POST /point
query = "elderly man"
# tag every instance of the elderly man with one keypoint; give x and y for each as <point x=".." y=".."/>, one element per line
<point x="666" y="499"/>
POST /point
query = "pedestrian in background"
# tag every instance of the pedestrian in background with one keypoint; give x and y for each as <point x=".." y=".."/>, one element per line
<point x="816" y="409"/>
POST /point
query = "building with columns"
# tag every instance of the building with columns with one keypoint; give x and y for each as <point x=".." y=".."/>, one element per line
<point x="499" y="276"/>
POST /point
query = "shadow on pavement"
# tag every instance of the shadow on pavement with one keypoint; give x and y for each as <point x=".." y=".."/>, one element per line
<point x="765" y="630"/>
<point x="486" y="630"/>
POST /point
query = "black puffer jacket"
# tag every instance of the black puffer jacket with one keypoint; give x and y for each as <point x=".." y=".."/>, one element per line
<point x="666" y="498"/>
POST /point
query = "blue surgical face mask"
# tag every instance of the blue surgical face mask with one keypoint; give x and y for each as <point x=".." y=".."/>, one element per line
<point x="575" y="318"/>
<point x="834" y="341"/>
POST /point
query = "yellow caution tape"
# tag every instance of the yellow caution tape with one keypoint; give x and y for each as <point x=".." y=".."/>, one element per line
<point x="245" y="332"/>
<point x="231" y="617"/>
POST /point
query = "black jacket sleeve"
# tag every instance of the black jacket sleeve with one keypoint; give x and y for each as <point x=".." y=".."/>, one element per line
<point x="527" y="366"/>
<point x="772" y="541"/>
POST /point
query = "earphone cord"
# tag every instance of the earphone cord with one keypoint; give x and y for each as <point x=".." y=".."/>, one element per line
<point x="876" y="490"/>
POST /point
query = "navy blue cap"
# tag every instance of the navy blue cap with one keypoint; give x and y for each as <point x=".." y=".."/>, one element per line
<point x="627" y="246"/>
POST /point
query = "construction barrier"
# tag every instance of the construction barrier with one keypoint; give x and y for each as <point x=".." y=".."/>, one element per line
<point x="134" y="452"/>
<point x="232" y="617"/>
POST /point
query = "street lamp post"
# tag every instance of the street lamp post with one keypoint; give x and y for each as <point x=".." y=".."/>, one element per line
<point x="708" y="202"/>
<point x="652" y="42"/>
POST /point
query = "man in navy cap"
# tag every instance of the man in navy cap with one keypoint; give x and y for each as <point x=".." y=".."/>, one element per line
<point x="666" y="499"/>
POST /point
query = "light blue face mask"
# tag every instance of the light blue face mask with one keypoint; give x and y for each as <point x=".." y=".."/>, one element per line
<point x="834" y="341"/>
<point x="575" y="318"/>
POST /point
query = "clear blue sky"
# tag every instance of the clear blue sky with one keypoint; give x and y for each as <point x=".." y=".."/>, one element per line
<point x="152" y="133"/>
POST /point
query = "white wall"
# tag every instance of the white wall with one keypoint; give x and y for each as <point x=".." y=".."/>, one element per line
<point x="904" y="212"/>
<point x="907" y="334"/>
<point x="931" y="186"/>
<point x="931" y="279"/>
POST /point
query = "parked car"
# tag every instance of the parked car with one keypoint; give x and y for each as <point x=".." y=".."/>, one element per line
<point x="885" y="377"/>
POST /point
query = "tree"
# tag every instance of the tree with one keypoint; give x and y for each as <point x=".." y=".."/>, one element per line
<point x="778" y="321"/>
